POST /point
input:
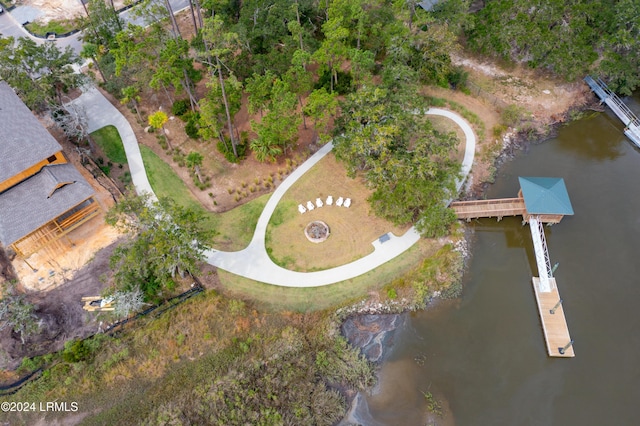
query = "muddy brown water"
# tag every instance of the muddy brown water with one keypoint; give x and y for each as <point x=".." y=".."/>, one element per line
<point x="483" y="357"/>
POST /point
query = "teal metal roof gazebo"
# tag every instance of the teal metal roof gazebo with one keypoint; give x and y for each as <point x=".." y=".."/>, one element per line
<point x="545" y="196"/>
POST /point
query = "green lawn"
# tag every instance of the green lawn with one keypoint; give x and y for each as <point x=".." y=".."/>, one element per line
<point x="165" y="182"/>
<point x="58" y="27"/>
<point x="235" y="227"/>
<point x="108" y="139"/>
<point x="352" y="229"/>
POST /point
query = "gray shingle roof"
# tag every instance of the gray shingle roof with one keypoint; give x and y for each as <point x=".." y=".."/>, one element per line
<point x="23" y="140"/>
<point x="40" y="199"/>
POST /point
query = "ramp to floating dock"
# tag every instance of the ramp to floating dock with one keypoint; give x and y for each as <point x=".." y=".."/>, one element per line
<point x="632" y="123"/>
<point x="554" y="326"/>
<point x="542" y="253"/>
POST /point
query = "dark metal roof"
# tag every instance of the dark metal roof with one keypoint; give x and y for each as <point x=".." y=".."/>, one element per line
<point x="40" y="199"/>
<point x="428" y="4"/>
<point x="23" y="140"/>
<point x="545" y="195"/>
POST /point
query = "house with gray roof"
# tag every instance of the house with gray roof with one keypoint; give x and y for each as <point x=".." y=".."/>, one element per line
<point x="42" y="196"/>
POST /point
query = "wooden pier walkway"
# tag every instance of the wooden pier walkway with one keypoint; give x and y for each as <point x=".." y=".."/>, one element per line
<point x="554" y="326"/>
<point x="540" y="200"/>
<point x="632" y="123"/>
<point x="489" y="208"/>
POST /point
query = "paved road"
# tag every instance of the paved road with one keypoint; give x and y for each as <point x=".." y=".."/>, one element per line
<point x="253" y="262"/>
<point x="11" y="25"/>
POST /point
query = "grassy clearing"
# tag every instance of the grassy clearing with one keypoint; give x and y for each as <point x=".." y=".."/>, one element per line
<point x="235" y="227"/>
<point x="207" y="361"/>
<point x="58" y="27"/>
<point x="165" y="182"/>
<point x="471" y="117"/>
<point x="275" y="298"/>
<point x="108" y="139"/>
<point x="352" y="229"/>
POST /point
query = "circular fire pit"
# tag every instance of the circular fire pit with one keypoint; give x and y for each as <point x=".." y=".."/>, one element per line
<point x="317" y="231"/>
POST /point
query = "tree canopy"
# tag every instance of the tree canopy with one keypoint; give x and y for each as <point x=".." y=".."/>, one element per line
<point x="167" y="239"/>
<point x="383" y="135"/>
<point x="39" y="73"/>
<point x="16" y="311"/>
<point x="569" y="38"/>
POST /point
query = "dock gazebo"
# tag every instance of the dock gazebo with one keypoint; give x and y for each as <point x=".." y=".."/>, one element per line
<point x="545" y="197"/>
<point x="540" y="200"/>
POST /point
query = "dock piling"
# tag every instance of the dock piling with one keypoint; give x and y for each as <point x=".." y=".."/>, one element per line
<point x="565" y="347"/>
<point x="553" y="310"/>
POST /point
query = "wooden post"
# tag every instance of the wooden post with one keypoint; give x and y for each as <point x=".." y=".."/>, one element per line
<point x="29" y="265"/>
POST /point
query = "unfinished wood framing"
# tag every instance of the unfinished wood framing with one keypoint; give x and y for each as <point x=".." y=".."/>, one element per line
<point x="51" y="233"/>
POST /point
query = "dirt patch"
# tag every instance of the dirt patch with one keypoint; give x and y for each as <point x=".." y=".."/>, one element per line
<point x="545" y="101"/>
<point x="60" y="313"/>
<point x="54" y="265"/>
<point x="546" y="98"/>
<point x="61" y="10"/>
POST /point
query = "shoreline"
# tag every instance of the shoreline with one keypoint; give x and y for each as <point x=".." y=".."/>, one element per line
<point x="520" y="140"/>
<point x="514" y="140"/>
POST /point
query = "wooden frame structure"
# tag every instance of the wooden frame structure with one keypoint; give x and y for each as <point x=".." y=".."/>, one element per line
<point x="56" y="229"/>
<point x="543" y="198"/>
<point x="43" y="197"/>
<point x="489" y="208"/>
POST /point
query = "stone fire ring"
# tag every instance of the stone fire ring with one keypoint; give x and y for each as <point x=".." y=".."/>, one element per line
<point x="317" y="231"/>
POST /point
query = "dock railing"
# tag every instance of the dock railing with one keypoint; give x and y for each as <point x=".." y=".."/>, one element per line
<point x="613" y="101"/>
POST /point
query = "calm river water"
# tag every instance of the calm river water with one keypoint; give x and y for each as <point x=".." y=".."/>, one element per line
<point x="484" y="357"/>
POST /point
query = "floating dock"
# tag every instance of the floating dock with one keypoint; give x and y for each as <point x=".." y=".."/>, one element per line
<point x="632" y="123"/>
<point x="554" y="325"/>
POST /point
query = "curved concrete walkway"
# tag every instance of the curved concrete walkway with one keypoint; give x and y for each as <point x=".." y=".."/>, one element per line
<point x="101" y="113"/>
<point x="253" y="262"/>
